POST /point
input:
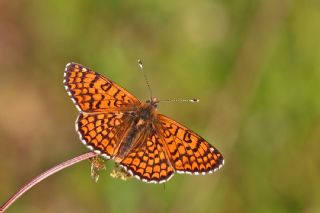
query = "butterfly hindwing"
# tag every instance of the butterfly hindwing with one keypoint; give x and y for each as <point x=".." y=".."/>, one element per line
<point x="102" y="132"/>
<point x="149" y="161"/>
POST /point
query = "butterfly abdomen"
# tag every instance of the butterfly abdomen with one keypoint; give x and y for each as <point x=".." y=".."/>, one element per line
<point x="141" y="127"/>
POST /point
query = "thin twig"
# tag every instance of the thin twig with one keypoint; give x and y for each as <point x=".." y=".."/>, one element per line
<point x="43" y="176"/>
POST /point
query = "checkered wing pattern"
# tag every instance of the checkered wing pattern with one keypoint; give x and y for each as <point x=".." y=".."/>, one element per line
<point x="92" y="92"/>
<point x="102" y="132"/>
<point x="188" y="152"/>
<point x="149" y="162"/>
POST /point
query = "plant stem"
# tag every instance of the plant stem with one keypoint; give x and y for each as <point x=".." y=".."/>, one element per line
<point x="44" y="175"/>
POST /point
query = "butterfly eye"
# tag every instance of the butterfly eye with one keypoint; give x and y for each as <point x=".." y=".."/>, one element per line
<point x="132" y="114"/>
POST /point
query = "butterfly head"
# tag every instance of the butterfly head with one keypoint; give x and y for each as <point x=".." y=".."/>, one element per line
<point x="153" y="102"/>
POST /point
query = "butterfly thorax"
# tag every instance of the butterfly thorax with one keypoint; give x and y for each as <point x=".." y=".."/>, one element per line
<point x="147" y="111"/>
<point x="142" y="123"/>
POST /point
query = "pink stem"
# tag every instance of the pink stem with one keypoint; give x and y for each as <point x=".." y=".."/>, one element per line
<point x="44" y="175"/>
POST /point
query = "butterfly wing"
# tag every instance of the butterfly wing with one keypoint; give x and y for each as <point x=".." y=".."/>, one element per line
<point x="188" y="152"/>
<point x="103" y="132"/>
<point x="92" y="92"/>
<point x="149" y="161"/>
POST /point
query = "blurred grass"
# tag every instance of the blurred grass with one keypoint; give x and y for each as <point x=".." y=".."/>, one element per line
<point x="255" y="66"/>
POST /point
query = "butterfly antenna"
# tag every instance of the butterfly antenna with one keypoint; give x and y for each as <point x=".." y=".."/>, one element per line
<point x="145" y="78"/>
<point x="194" y="100"/>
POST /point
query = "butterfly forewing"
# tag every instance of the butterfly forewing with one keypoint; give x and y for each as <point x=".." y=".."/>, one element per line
<point x="188" y="152"/>
<point x="92" y="92"/>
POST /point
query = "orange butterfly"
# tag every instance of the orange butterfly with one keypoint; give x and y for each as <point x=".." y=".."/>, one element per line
<point x="148" y="145"/>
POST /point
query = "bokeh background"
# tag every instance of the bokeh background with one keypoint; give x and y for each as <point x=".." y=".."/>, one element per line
<point x="254" y="65"/>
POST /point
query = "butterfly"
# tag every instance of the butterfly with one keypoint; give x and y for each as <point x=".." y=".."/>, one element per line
<point x="148" y="145"/>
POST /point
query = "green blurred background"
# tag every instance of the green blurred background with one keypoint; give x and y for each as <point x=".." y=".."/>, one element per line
<point x="254" y="65"/>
